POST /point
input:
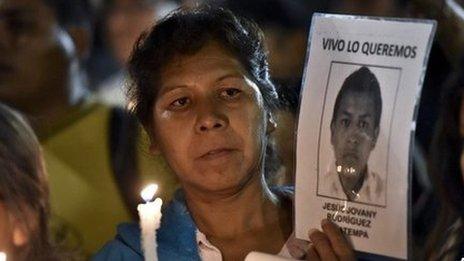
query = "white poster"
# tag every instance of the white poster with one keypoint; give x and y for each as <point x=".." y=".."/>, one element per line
<point x="362" y="82"/>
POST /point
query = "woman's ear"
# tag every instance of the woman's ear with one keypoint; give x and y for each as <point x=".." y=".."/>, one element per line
<point x="271" y="123"/>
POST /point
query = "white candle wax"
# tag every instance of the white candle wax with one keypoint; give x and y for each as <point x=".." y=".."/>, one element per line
<point x="2" y="256"/>
<point x="150" y="217"/>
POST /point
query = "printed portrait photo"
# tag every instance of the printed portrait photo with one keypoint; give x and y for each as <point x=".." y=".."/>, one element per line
<point x="354" y="136"/>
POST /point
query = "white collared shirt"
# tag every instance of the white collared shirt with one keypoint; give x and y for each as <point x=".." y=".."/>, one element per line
<point x="208" y="252"/>
<point x="371" y="192"/>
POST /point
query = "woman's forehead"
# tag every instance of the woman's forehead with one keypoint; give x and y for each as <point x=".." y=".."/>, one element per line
<point x="211" y="60"/>
<point x="211" y="51"/>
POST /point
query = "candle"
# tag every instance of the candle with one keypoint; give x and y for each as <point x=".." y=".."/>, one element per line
<point x="150" y="216"/>
<point x="2" y="256"/>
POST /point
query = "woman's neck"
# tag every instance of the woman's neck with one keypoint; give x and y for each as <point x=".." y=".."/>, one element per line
<point x="248" y="220"/>
<point x="234" y="213"/>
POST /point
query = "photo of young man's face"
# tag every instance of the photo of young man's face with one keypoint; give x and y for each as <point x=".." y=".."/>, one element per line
<point x="354" y="132"/>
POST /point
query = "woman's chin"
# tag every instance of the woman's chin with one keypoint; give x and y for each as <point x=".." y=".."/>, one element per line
<point x="221" y="183"/>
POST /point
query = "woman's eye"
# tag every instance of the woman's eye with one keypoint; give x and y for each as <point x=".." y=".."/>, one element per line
<point x="180" y="103"/>
<point x="230" y="93"/>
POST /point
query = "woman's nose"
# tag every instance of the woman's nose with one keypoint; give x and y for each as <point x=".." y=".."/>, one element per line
<point x="210" y="117"/>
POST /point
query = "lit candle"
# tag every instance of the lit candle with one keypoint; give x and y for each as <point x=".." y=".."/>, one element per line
<point x="150" y="216"/>
<point x="2" y="256"/>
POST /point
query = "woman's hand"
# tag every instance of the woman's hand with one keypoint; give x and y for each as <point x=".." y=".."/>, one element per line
<point x="330" y="244"/>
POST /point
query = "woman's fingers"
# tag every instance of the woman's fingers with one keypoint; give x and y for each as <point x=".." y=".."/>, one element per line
<point x="322" y="245"/>
<point x="329" y="245"/>
<point x="340" y="245"/>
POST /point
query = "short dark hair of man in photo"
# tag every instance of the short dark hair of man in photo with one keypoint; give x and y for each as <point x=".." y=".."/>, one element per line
<point x="354" y="132"/>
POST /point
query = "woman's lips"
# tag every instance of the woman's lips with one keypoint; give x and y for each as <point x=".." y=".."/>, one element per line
<point x="216" y="153"/>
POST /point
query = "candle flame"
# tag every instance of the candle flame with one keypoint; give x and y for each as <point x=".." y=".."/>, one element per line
<point x="149" y="192"/>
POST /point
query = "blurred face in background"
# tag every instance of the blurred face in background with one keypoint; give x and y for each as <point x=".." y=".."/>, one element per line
<point x="35" y="53"/>
<point x="126" y="20"/>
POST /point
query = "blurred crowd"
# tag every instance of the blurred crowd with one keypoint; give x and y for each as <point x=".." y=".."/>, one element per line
<point x="63" y="66"/>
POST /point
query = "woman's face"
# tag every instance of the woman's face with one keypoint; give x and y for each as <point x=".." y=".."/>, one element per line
<point x="209" y="121"/>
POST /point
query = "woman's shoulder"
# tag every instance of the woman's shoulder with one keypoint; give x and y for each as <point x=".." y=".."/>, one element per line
<point x="125" y="246"/>
<point x="175" y="237"/>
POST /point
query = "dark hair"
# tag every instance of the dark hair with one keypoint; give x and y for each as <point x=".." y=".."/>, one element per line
<point x="444" y="168"/>
<point x="23" y="184"/>
<point x="185" y="32"/>
<point x="361" y="81"/>
<point x="71" y="12"/>
<point x="289" y="98"/>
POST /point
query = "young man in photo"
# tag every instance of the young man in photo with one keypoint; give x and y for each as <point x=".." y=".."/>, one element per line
<point x="354" y="131"/>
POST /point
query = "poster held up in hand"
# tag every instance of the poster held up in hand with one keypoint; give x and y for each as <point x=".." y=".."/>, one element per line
<point x="361" y="86"/>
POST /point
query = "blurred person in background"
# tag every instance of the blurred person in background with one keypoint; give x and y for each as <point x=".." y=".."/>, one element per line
<point x="123" y="21"/>
<point x="91" y="150"/>
<point x="24" y="207"/>
<point x="446" y="242"/>
<point x="444" y="59"/>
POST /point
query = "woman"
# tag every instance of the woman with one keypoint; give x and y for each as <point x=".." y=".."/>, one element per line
<point x="201" y="88"/>
<point x="447" y="167"/>
<point x="23" y="192"/>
